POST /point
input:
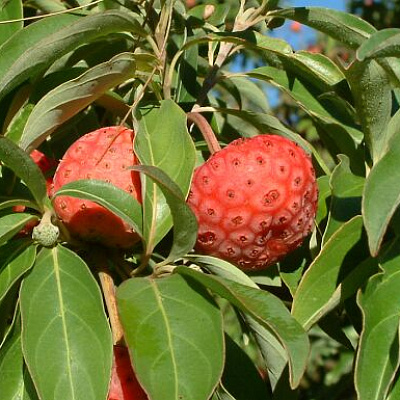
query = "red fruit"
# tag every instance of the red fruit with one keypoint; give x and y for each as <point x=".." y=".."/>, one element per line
<point x="295" y="26"/>
<point x="104" y="154"/>
<point x="255" y="201"/>
<point x="124" y="385"/>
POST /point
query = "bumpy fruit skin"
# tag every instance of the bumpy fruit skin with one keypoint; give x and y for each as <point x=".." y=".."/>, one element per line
<point x="124" y="385"/>
<point x="105" y="154"/>
<point x="255" y="201"/>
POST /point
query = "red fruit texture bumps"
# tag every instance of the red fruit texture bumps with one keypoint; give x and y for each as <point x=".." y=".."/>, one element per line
<point x="124" y="385"/>
<point x="255" y="201"/>
<point x="105" y="154"/>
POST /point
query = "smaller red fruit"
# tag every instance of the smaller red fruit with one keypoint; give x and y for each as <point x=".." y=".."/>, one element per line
<point x="105" y="154"/>
<point x="295" y="26"/>
<point x="124" y="384"/>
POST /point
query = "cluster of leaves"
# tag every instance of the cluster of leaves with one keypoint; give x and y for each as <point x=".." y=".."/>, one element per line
<point x="147" y="64"/>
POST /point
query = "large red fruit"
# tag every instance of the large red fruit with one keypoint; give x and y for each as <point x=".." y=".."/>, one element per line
<point x="255" y="201"/>
<point x="105" y="154"/>
<point x="124" y="385"/>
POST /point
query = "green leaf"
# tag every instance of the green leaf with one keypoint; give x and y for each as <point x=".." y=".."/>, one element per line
<point x="66" y="100"/>
<point x="66" y="338"/>
<point x="384" y="43"/>
<point x="321" y="278"/>
<point x="267" y="310"/>
<point x="372" y="94"/>
<point x="20" y="258"/>
<point x="185" y="222"/>
<point x="28" y="62"/>
<point x="378" y="355"/>
<point x="273" y="352"/>
<point x="12" y="223"/>
<point x="241" y="377"/>
<point x="342" y="26"/>
<point x="23" y="40"/>
<point x="10" y="10"/>
<point x="305" y="95"/>
<point x="25" y="168"/>
<point x="163" y="141"/>
<point x="174" y="330"/>
<point x="318" y="68"/>
<point x="16" y="127"/>
<point x="107" y="195"/>
<point x="15" y="382"/>
<point x="347" y="190"/>
<point x="382" y="195"/>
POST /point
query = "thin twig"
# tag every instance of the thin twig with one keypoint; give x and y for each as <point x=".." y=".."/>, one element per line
<point x="206" y="131"/>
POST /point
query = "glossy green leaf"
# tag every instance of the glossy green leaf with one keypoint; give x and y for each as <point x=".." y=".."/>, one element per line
<point x="382" y="195"/>
<point x="68" y="99"/>
<point x="16" y="127"/>
<point x="347" y="190"/>
<point x="185" y="222"/>
<point x="19" y="260"/>
<point x="371" y="90"/>
<point x="344" y="27"/>
<point x="321" y="278"/>
<point x="378" y="354"/>
<point x="15" y="381"/>
<point x="10" y="10"/>
<point x="12" y="223"/>
<point x="318" y="68"/>
<point x="267" y="310"/>
<point x="163" y="141"/>
<point x="28" y="62"/>
<point x="174" y="330"/>
<point x="107" y="195"/>
<point x="66" y="338"/>
<point x="15" y="202"/>
<point x="384" y="43"/>
<point x="29" y="36"/>
<point x="25" y="168"/>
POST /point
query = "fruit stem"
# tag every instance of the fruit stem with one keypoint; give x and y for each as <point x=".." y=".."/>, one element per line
<point x="206" y="131"/>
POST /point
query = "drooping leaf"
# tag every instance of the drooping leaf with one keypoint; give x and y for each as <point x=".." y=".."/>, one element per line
<point x="267" y="310"/>
<point x="28" y="62"/>
<point x="347" y="189"/>
<point x="163" y="141"/>
<point x="185" y="223"/>
<point x="20" y="258"/>
<point x="342" y="26"/>
<point x="271" y="349"/>
<point x="382" y="195"/>
<point x="371" y="90"/>
<point x="25" y="168"/>
<point x="10" y="10"/>
<point x="321" y="278"/>
<point x="68" y="99"/>
<point x="66" y="338"/>
<point x="378" y="355"/>
<point x="173" y="329"/>
<point x="384" y="43"/>
<point x="107" y="195"/>
<point x="12" y="223"/>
